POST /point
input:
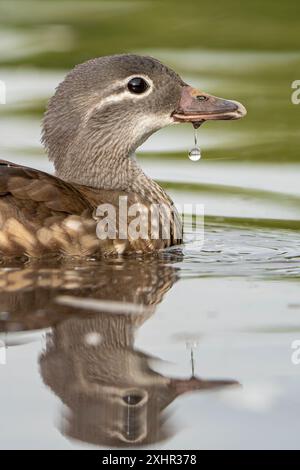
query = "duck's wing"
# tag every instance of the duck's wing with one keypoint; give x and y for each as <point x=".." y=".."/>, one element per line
<point x="158" y="225"/>
<point x="40" y="213"/>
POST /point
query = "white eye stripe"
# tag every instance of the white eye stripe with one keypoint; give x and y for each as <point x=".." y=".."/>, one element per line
<point x="115" y="98"/>
<point x="126" y="92"/>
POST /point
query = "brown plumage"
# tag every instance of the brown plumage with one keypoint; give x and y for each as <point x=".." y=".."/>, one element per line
<point x="41" y="214"/>
<point x="99" y="115"/>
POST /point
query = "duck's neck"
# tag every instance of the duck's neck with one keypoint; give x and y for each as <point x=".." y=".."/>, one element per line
<point x="121" y="173"/>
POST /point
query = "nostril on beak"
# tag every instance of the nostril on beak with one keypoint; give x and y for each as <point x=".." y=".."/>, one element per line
<point x="201" y="98"/>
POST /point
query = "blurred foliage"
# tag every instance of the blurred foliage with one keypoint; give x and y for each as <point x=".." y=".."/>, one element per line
<point x="114" y="26"/>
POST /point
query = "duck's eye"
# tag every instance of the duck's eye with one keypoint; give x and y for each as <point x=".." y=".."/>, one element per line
<point x="137" y="85"/>
<point x="201" y="98"/>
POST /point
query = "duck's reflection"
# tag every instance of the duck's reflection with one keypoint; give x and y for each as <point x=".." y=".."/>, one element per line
<point x="111" y="395"/>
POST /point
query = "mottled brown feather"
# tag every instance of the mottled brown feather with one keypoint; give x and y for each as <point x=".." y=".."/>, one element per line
<point x="41" y="214"/>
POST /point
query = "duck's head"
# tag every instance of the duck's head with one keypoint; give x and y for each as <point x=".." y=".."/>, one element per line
<point x="107" y="107"/>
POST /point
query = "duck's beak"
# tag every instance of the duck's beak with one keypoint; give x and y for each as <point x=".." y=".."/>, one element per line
<point x="197" y="106"/>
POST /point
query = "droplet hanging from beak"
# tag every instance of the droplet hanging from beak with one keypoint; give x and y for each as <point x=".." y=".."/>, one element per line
<point x="195" y="152"/>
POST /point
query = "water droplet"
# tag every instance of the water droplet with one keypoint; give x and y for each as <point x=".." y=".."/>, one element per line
<point x="195" y="152"/>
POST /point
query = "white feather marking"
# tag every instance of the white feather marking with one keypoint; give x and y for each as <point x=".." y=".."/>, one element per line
<point x="114" y="98"/>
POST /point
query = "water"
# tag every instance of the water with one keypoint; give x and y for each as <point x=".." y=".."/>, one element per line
<point x="195" y="152"/>
<point x="192" y="348"/>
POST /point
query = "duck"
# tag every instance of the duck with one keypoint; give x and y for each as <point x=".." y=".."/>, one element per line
<point x="110" y="391"/>
<point x="102" y="111"/>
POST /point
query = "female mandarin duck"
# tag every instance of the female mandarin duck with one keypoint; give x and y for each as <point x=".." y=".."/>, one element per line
<point x="100" y="114"/>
